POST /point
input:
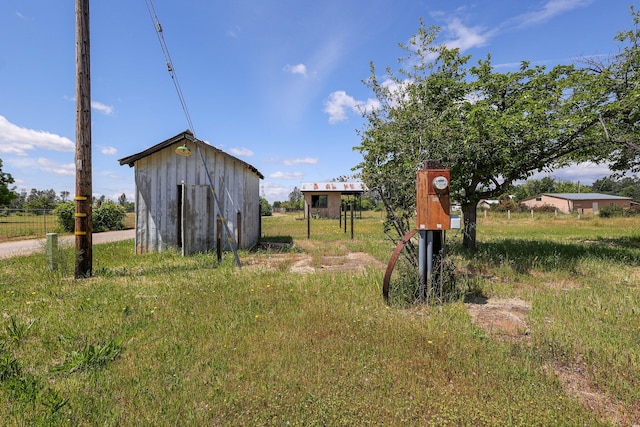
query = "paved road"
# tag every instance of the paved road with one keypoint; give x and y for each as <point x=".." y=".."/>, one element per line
<point x="26" y="247"/>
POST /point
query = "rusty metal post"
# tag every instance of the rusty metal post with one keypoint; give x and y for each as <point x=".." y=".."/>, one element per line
<point x="352" y="209"/>
<point x="345" y="219"/>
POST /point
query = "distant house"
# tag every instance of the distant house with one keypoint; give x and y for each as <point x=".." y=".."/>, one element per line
<point x="576" y="202"/>
<point x="486" y="204"/>
<point x="174" y="204"/>
<point x="324" y="198"/>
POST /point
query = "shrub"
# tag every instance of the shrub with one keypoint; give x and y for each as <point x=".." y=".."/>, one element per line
<point x="65" y="213"/>
<point x="611" y="211"/>
<point x="108" y="216"/>
<point x="265" y="207"/>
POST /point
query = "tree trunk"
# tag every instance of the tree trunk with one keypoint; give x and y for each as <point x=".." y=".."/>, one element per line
<point x="469" y="232"/>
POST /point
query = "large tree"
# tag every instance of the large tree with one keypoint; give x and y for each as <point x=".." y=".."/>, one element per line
<point x="489" y="128"/>
<point x="620" y="118"/>
<point x="7" y="194"/>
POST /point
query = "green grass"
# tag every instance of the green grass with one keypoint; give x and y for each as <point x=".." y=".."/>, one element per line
<point x="158" y="339"/>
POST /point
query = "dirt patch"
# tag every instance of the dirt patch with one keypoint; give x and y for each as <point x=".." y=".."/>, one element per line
<point x="575" y="383"/>
<point x="353" y="262"/>
<point x="507" y="319"/>
<point x="304" y="263"/>
<point x="502" y="318"/>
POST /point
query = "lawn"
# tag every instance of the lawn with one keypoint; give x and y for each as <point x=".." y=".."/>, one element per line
<point x="158" y="339"/>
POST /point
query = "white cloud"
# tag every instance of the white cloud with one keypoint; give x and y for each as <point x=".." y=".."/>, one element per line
<point x="551" y="9"/>
<point x="296" y="69"/>
<point x="108" y="151"/>
<point x="273" y="192"/>
<point x="234" y="32"/>
<point x="286" y="175"/>
<point x="301" y="161"/>
<point x="339" y="104"/>
<point x="44" y="165"/>
<point x="586" y="173"/>
<point x="16" y="140"/>
<point x="99" y="106"/>
<point x="242" y="151"/>
<point x="465" y="37"/>
<point x="48" y="166"/>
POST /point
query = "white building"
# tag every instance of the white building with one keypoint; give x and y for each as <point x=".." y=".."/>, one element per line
<point x="175" y="206"/>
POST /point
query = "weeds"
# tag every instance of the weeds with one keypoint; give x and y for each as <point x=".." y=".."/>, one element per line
<point x="90" y="357"/>
<point x="265" y="346"/>
<point x="16" y="329"/>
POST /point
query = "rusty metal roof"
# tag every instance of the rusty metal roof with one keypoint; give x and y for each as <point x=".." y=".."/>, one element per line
<point x="337" y="187"/>
<point x="186" y="135"/>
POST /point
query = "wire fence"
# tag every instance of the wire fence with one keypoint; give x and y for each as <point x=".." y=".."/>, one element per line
<point x="26" y="223"/>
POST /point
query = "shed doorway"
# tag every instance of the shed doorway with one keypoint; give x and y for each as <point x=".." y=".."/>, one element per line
<point x="196" y="222"/>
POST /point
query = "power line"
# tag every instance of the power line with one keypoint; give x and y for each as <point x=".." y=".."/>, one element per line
<point x="170" y="68"/>
<point x="174" y="77"/>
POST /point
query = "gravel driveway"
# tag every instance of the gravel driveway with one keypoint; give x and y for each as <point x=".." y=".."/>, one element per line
<point x="27" y="247"/>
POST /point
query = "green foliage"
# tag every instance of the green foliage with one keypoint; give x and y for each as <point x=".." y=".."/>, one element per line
<point x="265" y="207"/>
<point x="65" y="213"/>
<point x="17" y="329"/>
<point x="91" y="356"/>
<point x="39" y="200"/>
<point x="611" y="211"/>
<point x="619" y="78"/>
<point x="489" y="128"/>
<point x="627" y="186"/>
<point x="548" y="184"/>
<point x="108" y="216"/>
<point x="7" y="194"/>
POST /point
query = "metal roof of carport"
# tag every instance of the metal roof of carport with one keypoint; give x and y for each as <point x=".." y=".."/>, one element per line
<point x="581" y="196"/>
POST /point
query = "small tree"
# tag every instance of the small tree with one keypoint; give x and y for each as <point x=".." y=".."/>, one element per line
<point x="7" y="194"/>
<point x="489" y="128"/>
<point x="265" y="207"/>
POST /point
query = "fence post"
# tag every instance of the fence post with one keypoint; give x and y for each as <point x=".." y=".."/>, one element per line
<point x="219" y="239"/>
<point x="52" y="251"/>
<point x="239" y="228"/>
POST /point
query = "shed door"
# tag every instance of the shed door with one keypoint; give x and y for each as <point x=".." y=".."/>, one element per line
<point x="594" y="205"/>
<point x="197" y="219"/>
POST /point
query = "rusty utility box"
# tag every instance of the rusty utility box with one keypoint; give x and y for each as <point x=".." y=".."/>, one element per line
<point x="432" y="203"/>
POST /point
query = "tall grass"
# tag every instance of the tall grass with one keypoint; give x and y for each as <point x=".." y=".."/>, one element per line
<point x="158" y="339"/>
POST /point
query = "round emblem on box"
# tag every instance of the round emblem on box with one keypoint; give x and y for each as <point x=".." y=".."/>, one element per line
<point x="440" y="183"/>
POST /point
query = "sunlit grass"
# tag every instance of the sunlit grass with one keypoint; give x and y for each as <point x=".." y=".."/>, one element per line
<point x="158" y="339"/>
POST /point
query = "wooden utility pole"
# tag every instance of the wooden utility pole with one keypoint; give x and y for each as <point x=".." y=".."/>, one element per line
<point x="84" y="192"/>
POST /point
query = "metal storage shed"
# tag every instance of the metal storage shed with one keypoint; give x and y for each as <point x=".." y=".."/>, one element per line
<point x="175" y="206"/>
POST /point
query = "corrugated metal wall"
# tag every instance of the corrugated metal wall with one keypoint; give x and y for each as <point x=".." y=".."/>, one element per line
<point x="159" y="207"/>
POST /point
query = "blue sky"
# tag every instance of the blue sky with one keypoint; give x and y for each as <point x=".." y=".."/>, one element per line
<point x="276" y="83"/>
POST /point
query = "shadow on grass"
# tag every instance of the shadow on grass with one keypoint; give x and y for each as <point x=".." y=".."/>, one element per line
<point x="526" y="255"/>
<point x="277" y="239"/>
